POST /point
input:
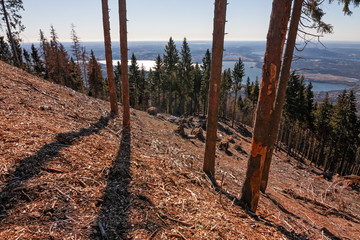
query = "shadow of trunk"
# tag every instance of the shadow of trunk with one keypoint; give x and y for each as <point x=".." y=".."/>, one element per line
<point x="12" y="192"/>
<point x="113" y="221"/>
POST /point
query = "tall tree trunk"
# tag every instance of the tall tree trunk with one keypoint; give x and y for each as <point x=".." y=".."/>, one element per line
<point x="16" y="57"/>
<point x="271" y="69"/>
<point x="279" y="138"/>
<point x="214" y="88"/>
<point x="234" y="110"/>
<point x="283" y="82"/>
<point x="108" y="55"/>
<point x="124" y="64"/>
<point x="304" y="145"/>
<point x="309" y="148"/>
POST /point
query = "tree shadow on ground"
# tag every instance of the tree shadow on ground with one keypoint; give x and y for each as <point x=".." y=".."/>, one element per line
<point x="12" y="193"/>
<point x="112" y="222"/>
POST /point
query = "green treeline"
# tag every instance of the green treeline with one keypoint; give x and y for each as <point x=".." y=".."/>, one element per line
<point x="178" y="86"/>
<point x="326" y="134"/>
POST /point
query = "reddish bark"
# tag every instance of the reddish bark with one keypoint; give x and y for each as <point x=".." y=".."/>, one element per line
<point x="124" y="64"/>
<point x="215" y="80"/>
<point x="108" y="56"/>
<point x="283" y="83"/>
<point x="272" y="61"/>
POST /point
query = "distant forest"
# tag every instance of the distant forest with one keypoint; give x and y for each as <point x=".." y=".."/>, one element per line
<point x="326" y="134"/>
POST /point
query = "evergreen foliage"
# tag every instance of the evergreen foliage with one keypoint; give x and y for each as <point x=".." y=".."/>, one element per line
<point x="326" y="135"/>
<point x="205" y="68"/>
<point x="37" y="64"/>
<point x="237" y="75"/>
<point x="117" y="79"/>
<point x="96" y="79"/>
<point x="5" y="54"/>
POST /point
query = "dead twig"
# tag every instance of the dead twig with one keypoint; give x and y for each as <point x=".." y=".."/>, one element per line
<point x="154" y="234"/>
<point x="102" y="231"/>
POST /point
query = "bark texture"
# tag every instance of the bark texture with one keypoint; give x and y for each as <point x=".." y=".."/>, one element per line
<point x="108" y="56"/>
<point x="124" y="64"/>
<point x="283" y="83"/>
<point x="272" y="61"/>
<point x="214" y="88"/>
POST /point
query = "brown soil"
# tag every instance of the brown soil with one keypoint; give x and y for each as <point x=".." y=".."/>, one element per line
<point x="68" y="171"/>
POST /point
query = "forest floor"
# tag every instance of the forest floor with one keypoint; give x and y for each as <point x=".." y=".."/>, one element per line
<point x="68" y="171"/>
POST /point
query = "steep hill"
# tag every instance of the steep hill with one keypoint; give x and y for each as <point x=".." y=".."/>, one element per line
<point x="69" y="172"/>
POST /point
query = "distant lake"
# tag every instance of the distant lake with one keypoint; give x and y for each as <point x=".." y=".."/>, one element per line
<point x="251" y="71"/>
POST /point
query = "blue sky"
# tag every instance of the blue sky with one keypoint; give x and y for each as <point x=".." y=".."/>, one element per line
<point x="160" y="19"/>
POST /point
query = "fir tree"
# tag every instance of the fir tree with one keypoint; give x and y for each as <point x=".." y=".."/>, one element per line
<point x="76" y="52"/>
<point x="27" y="61"/>
<point x="96" y="79"/>
<point x="117" y="79"/>
<point x="5" y="54"/>
<point x="197" y="80"/>
<point x="255" y="88"/>
<point x="248" y="88"/>
<point x="9" y="15"/>
<point x="205" y="69"/>
<point x="75" y="78"/>
<point x="186" y="83"/>
<point x="157" y="81"/>
<point x="134" y="79"/>
<point x="322" y="120"/>
<point x="170" y="59"/>
<point x="309" y="106"/>
<point x="37" y="64"/>
<point x="225" y="87"/>
<point x="237" y="74"/>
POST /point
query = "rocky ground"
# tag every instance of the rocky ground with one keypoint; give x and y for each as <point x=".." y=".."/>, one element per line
<point x="68" y="171"/>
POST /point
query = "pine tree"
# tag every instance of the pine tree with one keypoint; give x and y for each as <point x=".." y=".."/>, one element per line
<point x="45" y="53"/>
<point x="186" y="83"/>
<point x="124" y="66"/>
<point x="9" y="12"/>
<point x="309" y="106"/>
<point x="254" y="94"/>
<point x="323" y="129"/>
<point x="157" y="81"/>
<point x="37" y="64"/>
<point x="225" y="87"/>
<point x="346" y="8"/>
<point x="27" y="61"/>
<point x="271" y="68"/>
<point x="134" y="79"/>
<point x="171" y="60"/>
<point x="248" y="88"/>
<point x="96" y="79"/>
<point x="142" y="87"/>
<point x="75" y="78"/>
<point x="237" y="74"/>
<point x="117" y="79"/>
<point x="214" y="86"/>
<point x="84" y="58"/>
<point x="294" y="107"/>
<point x="197" y="80"/>
<point x="76" y="52"/>
<point x="205" y="69"/>
<point x="108" y="56"/>
<point x="5" y="54"/>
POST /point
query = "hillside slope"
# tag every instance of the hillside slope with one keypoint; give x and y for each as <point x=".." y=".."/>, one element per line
<point x="68" y="172"/>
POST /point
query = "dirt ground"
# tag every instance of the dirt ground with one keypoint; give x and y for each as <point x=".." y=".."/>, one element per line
<point x="68" y="171"/>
